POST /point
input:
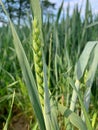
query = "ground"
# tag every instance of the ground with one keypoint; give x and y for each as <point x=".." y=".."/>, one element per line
<point x="19" y="120"/>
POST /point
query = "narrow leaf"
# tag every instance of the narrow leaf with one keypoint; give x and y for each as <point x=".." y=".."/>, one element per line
<point x="82" y="105"/>
<point x="75" y="119"/>
<point x="9" y="116"/>
<point x="59" y="11"/>
<point x="83" y="60"/>
<point x="27" y="74"/>
<point x="93" y="67"/>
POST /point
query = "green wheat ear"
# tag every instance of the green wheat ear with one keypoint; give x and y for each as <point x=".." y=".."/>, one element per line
<point x="37" y="51"/>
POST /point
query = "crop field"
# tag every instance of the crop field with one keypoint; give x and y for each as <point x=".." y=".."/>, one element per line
<point x="49" y="69"/>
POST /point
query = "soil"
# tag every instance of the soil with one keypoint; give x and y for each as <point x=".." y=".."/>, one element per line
<point x="19" y="123"/>
<point x="19" y="120"/>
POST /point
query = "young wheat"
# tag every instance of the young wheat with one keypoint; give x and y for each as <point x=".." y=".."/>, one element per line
<point x="37" y="50"/>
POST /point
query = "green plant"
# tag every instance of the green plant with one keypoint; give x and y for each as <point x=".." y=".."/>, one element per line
<point x="51" y="88"/>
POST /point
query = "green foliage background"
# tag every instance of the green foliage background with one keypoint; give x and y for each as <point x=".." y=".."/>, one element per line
<point x="68" y="57"/>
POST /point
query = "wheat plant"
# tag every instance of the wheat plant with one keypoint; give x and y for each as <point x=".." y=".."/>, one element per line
<point x="60" y="87"/>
